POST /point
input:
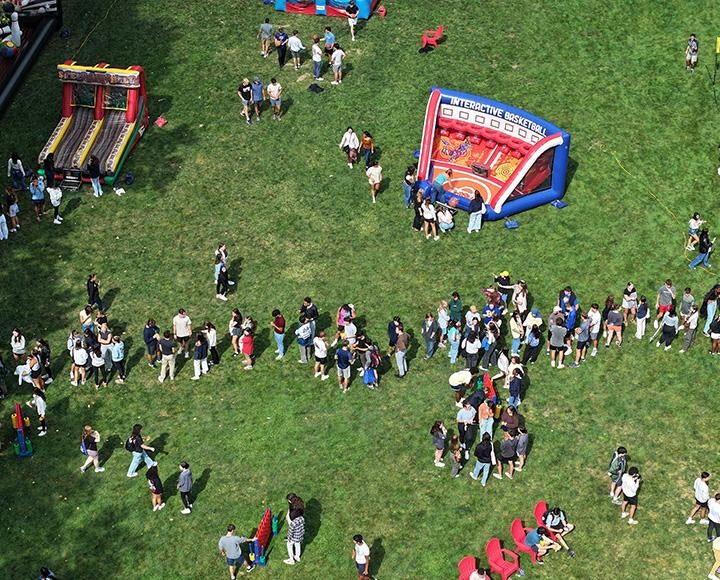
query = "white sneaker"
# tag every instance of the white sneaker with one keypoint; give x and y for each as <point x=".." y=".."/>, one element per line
<point x="704" y="521"/>
<point x="689" y="521"/>
<point x="279" y="357"/>
<point x="317" y="375"/>
<point x="439" y="464"/>
<point x="324" y="377"/>
<point x="99" y="469"/>
<point x="186" y="511"/>
<point x="561" y="366"/>
<point x="656" y="324"/>
<point x="161" y="506"/>
<point x="624" y="515"/>
<point x="42" y="433"/>
<point x="508" y="475"/>
<point x="632" y="522"/>
<point x="221" y="297"/>
<point x="496" y="476"/>
<point x="155" y="508"/>
<point x="334" y="83"/>
<point x="57" y="222"/>
<point x="195" y="378"/>
<point x="231" y="283"/>
<point x="668" y="347"/>
<point x="289" y="561"/>
<point x="187" y="355"/>
<point x="594" y="352"/>
<point x="552" y="363"/>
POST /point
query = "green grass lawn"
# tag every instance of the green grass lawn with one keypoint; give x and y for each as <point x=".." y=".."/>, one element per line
<point x="299" y="222"/>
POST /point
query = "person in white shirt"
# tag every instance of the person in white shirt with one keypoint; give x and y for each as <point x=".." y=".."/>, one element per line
<point x="16" y="170"/>
<point x="716" y="553"/>
<point x="336" y="61"/>
<point x="713" y="530"/>
<point x="429" y="217"/>
<point x="690" y="324"/>
<point x="693" y="229"/>
<point x="702" y="496"/>
<point x="595" y="326"/>
<point x="350" y="144"/>
<point x="350" y="331"/>
<point x="630" y="484"/>
<point x="321" y="348"/>
<point x="80" y="358"/>
<point x="374" y="174"/>
<point x="361" y="555"/>
<point x="182" y="330"/>
<point x="316" y="52"/>
<point x="295" y="45"/>
<point x="274" y="91"/>
<point x="445" y="219"/>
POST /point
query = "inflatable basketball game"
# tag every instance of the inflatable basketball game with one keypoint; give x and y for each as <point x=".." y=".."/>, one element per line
<point x="104" y="113"/>
<point x="325" y="7"/>
<point x="516" y="160"/>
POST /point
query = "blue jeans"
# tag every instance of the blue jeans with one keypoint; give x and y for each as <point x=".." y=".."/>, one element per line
<point x="430" y="347"/>
<point x="401" y="363"/>
<point x="435" y="192"/>
<point x="407" y="193"/>
<point x="711" y="308"/>
<point x="317" y="69"/>
<point x="446" y="227"/>
<point x="486" y="426"/>
<point x="18" y="179"/>
<point x="514" y="401"/>
<point x="279" y="341"/>
<point x="485" y="468"/>
<point x="515" y="345"/>
<point x="136" y="459"/>
<point x="475" y="222"/>
<point x="97" y="189"/>
<point x="367" y="154"/>
<point x="698" y="259"/>
<point x="453" y="354"/>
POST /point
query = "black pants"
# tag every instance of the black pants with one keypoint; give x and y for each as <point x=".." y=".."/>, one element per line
<point x="56" y="211"/>
<point x="530" y="354"/>
<point x="281" y="50"/>
<point x="119" y="366"/>
<point x="668" y="335"/>
<point x="214" y="355"/>
<point x="97" y="371"/>
<point x="472" y="360"/>
<point x="713" y="527"/>
<point x="222" y="286"/>
<point x="186" y="500"/>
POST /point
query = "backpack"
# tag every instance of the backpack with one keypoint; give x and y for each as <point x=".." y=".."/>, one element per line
<point x="375" y="359"/>
<point x="614" y="467"/>
<point x="130" y="444"/>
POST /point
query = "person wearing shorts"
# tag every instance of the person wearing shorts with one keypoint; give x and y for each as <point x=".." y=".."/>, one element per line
<point x="630" y="485"/>
<point x="274" y="91"/>
<point x="259" y="94"/>
<point x="429" y="217"/>
<point x="539" y="542"/>
<point x="508" y="447"/>
<point x="336" y="61"/>
<point x="321" y="347"/>
<point x="702" y="495"/>
<point x="691" y="53"/>
<point x="230" y="547"/>
<point x="182" y="330"/>
<point x="361" y="556"/>
<point x="664" y="300"/>
<point x="265" y="34"/>
<point x="557" y="341"/>
<point x="375" y="178"/>
<point x="295" y="45"/>
<point x="352" y="17"/>
<point x="245" y="94"/>
<point x="344" y="359"/>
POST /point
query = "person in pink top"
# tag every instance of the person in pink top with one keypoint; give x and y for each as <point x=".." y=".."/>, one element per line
<point x="247" y="344"/>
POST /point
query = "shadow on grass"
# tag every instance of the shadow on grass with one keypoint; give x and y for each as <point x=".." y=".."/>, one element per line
<point x="377" y="555"/>
<point x="109" y="297"/>
<point x="200" y="485"/>
<point x="313" y="519"/>
<point x="170" y="485"/>
<point x="108" y="448"/>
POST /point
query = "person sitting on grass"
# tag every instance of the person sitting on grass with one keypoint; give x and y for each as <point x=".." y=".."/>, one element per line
<point x="445" y="219"/>
<point x="539" y="542"/>
<point x="556" y="522"/>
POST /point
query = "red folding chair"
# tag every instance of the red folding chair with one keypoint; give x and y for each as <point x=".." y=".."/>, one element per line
<point x="467" y="566"/>
<point x="539" y="511"/>
<point x="498" y="563"/>
<point x="518" y="533"/>
<point x="431" y="37"/>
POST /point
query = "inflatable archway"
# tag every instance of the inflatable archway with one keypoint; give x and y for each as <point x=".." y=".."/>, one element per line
<point x="325" y="7"/>
<point x="516" y="160"/>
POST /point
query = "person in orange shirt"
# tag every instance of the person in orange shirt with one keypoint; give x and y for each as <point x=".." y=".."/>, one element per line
<point x="486" y="417"/>
<point x="367" y="147"/>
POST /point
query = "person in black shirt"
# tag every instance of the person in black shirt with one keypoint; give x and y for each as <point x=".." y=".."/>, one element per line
<point x="93" y="170"/>
<point x="93" y="291"/>
<point x="156" y="487"/>
<point x="310" y="312"/>
<point x="137" y="447"/>
<point x="245" y="94"/>
<point x="352" y="14"/>
<point x="90" y="439"/>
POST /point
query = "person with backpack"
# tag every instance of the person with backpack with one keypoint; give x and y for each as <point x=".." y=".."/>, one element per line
<point x="556" y="522"/>
<point x="137" y="447"/>
<point x="89" y="447"/>
<point x="370" y="374"/>
<point x="615" y="471"/>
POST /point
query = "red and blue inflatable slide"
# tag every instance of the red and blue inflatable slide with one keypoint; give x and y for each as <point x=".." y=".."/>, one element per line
<point x="516" y="160"/>
<point x="325" y="7"/>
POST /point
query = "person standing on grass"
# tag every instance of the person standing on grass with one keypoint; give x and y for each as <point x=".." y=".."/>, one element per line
<point x="13" y="209"/>
<point x="316" y="53"/>
<point x="4" y="233"/>
<point x="454" y="335"/>
<point x="361" y="556"/>
<point x="429" y="219"/>
<point x="616" y="469"/>
<point x="401" y="346"/>
<point x="281" y="42"/>
<point x="89" y="440"/>
<point x="93" y="169"/>
<point x="351" y="11"/>
<point x="156" y="487"/>
<point x="37" y="195"/>
<point x="310" y="312"/>
<point x="508" y="448"/>
<point x="629" y="302"/>
<point x="210" y="332"/>
<point x="93" y="291"/>
<point x="709" y="307"/>
<point x="245" y="94"/>
<point x="55" y="194"/>
<point x="690" y="324"/>
<point x="443" y="320"/>
<point x="375" y="178"/>
<point x="275" y="91"/>
<point x="430" y="331"/>
<point x="582" y="333"/>
<point x="408" y="184"/>
<point x="716" y="564"/>
<point x="336" y="62"/>
<point x="105" y="339"/>
<point x="97" y="367"/>
<point x="167" y="352"/>
<point x="392" y="334"/>
<point x="80" y="359"/>
<point x="278" y="324"/>
<point x="476" y="209"/>
<point x="39" y="401"/>
<point x="296" y="528"/>
<point x="485" y="458"/>
<point x="456" y="456"/>
<point x="184" y="485"/>
<point x="643" y="315"/>
<point x="704" y="249"/>
<point x="664" y="300"/>
<point x="532" y="345"/>
<point x="466" y="424"/>
<point x="17" y="345"/>
<point x="16" y="171"/>
<point x="247" y="344"/>
<point x="713" y="530"/>
<point x="455" y="307"/>
<point x="151" y="336"/>
<point x="137" y="447"/>
<point x="557" y="340"/>
<point x="344" y="359"/>
<point x="367" y="147"/>
<point x="222" y="286"/>
<point x="117" y="355"/>
<point x="321" y="349"/>
<point x="230" y="547"/>
<point x="691" y="53"/>
<point x="515" y="387"/>
<point x="350" y="144"/>
<point x="438" y="432"/>
<point x="200" y="355"/>
<point x="523" y="439"/>
<point x="295" y="45"/>
<point x="222" y="253"/>
<point x="630" y="484"/>
<point x="670" y="328"/>
<point x="556" y="522"/>
<point x="304" y="336"/>
<point x="329" y="40"/>
<point x="259" y="94"/>
<point x="265" y="34"/>
<point x="614" y="326"/>
<point x="182" y="330"/>
<point x="702" y="496"/>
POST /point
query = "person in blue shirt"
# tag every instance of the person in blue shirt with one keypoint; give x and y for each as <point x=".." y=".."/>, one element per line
<point x="281" y="40"/>
<point x="515" y="387"/>
<point x="117" y="354"/>
<point x="344" y="359"/>
<point x="37" y="194"/>
<point x="539" y="542"/>
<point x="329" y="40"/>
<point x="259" y="94"/>
<point x="438" y="185"/>
<point x="532" y="345"/>
<point x="582" y="333"/>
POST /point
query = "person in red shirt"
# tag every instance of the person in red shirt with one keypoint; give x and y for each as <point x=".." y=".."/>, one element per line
<point x="247" y="343"/>
<point x="278" y="325"/>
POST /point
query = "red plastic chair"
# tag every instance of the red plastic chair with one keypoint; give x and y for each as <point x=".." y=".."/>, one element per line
<point x="467" y="566"/>
<point x="431" y="37"/>
<point x="518" y="533"/>
<point x="498" y="563"/>
<point x="540" y="509"/>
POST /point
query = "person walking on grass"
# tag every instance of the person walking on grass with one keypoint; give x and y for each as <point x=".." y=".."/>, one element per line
<point x="167" y="353"/>
<point x="278" y="324"/>
<point x="295" y="45"/>
<point x="265" y="34"/>
<point x="316" y="53"/>
<point x="485" y="458"/>
<point x="664" y="300"/>
<point x="230" y="547"/>
<point x="184" y="486"/>
<point x="275" y="91"/>
<point x="350" y="145"/>
<point x="438" y="432"/>
<point x="713" y="530"/>
<point x="690" y="324"/>
<point x="401" y="346"/>
<point x="137" y="447"/>
<point x="616" y="469"/>
<point x="200" y="365"/>
<point x="337" y="58"/>
<point x="182" y="330"/>
<point x="702" y="496"/>
<point x="117" y="355"/>
<point x="691" y="54"/>
<point x="320" y="346"/>
<point x="670" y="328"/>
<point x="351" y="11"/>
<point x="643" y="315"/>
<point x="245" y="93"/>
<point x="630" y="485"/>
<point x="281" y="42"/>
<point x="344" y="359"/>
<point x="296" y="529"/>
<point x="375" y="178"/>
<point x="156" y="487"/>
<point x="716" y="564"/>
<point x="151" y="337"/>
<point x="361" y="556"/>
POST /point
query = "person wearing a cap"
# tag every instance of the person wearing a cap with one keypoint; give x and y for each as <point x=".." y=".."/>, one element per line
<point x="245" y="94"/>
<point x="259" y="94"/>
<point x="504" y="286"/>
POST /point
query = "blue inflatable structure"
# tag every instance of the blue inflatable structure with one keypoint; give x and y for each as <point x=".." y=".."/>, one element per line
<point x="325" y="7"/>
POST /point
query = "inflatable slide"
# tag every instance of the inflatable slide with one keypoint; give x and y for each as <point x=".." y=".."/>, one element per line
<point x="516" y="160"/>
<point x="104" y="114"/>
<point x="325" y="7"/>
